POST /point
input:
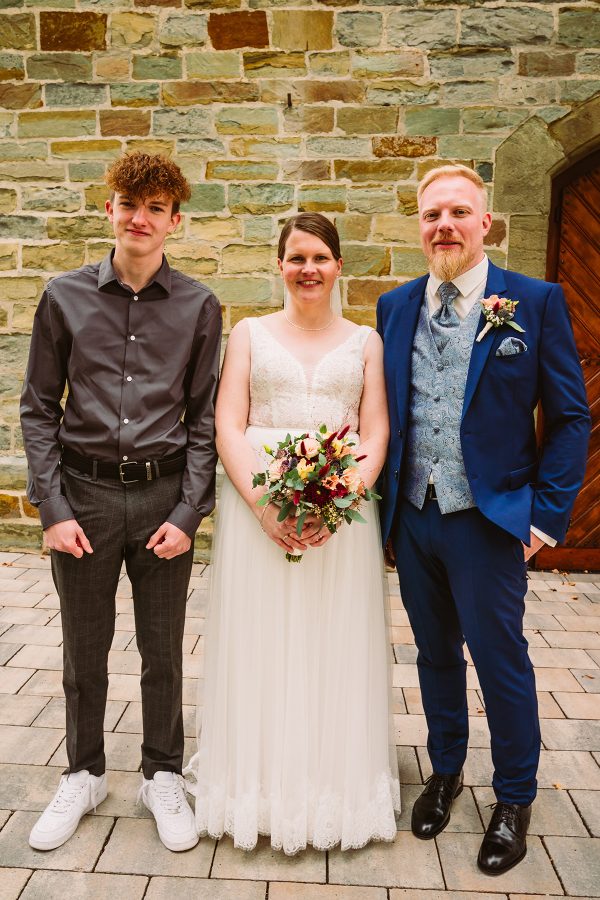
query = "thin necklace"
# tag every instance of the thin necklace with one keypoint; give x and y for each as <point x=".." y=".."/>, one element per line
<point x="303" y="327"/>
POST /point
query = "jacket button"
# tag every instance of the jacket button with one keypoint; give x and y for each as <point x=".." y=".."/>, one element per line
<point x="395" y="473"/>
<point x="399" y="432"/>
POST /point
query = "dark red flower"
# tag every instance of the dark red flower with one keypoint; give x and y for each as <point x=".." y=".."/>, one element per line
<point x="315" y="494"/>
<point x="343" y="432"/>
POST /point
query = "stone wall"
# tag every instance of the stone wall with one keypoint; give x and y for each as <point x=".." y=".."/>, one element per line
<point x="270" y="107"/>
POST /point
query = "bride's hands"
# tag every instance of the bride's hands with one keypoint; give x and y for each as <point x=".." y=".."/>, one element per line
<point x="283" y="533"/>
<point x="314" y="532"/>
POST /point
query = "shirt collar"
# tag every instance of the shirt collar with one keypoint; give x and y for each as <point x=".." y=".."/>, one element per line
<point x="467" y="282"/>
<point x="158" y="287"/>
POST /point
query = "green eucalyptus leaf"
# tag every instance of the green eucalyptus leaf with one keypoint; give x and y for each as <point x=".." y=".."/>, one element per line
<point x="355" y="516"/>
<point x="342" y="502"/>
<point x="300" y="523"/>
<point x="284" y="511"/>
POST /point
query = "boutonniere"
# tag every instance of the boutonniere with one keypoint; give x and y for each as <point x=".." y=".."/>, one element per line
<point x="498" y="311"/>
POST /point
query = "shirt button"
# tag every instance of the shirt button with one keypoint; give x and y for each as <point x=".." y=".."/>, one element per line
<point x="436" y="429"/>
<point x="129" y="378"/>
<point x="436" y="399"/>
<point x="135" y="297"/>
<point x="132" y="337"/>
<point x="435" y="459"/>
<point x="440" y="366"/>
<point x="126" y="421"/>
<point x="125" y="458"/>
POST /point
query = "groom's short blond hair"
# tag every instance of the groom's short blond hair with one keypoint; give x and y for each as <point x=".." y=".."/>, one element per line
<point x="451" y="171"/>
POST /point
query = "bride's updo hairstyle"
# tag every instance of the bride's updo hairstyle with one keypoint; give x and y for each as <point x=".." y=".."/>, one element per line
<point x="312" y="223"/>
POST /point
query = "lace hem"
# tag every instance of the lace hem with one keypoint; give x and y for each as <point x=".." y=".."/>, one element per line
<point x="323" y="821"/>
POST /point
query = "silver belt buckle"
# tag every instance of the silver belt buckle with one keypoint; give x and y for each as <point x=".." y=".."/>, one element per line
<point x="122" y="473"/>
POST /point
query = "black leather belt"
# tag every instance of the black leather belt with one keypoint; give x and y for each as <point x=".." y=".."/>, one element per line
<point x="430" y="493"/>
<point x="128" y="471"/>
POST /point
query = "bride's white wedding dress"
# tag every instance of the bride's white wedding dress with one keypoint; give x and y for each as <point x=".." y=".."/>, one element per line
<point x="294" y="739"/>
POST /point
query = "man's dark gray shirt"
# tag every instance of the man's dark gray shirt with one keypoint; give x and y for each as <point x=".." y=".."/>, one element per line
<point x="142" y="373"/>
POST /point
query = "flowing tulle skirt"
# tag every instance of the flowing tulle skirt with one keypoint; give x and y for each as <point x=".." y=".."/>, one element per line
<point x="294" y="739"/>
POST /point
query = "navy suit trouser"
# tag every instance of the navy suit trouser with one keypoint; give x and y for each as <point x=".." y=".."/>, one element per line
<point x="462" y="578"/>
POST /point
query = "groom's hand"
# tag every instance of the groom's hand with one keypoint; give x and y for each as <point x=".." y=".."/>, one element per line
<point x="536" y="543"/>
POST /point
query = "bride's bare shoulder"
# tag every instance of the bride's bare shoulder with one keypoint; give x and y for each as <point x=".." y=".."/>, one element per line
<point x="351" y="327"/>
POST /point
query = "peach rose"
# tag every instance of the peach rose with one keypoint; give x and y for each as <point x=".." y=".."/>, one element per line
<point x="353" y="480"/>
<point x="311" y="448"/>
<point x="275" y="469"/>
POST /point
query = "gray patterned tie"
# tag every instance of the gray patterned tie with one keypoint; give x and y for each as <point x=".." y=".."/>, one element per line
<point x="445" y="319"/>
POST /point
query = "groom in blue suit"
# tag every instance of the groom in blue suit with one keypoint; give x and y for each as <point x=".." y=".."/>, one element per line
<point x="468" y="497"/>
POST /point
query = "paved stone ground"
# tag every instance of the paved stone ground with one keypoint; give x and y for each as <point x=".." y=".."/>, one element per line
<point x="116" y="852"/>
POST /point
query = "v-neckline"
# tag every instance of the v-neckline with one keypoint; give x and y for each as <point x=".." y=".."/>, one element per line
<point x="309" y="383"/>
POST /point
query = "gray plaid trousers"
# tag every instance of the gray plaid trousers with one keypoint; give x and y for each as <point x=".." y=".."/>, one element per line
<point x="118" y="520"/>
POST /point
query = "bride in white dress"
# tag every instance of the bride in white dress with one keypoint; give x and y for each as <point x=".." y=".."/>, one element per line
<point x="294" y="740"/>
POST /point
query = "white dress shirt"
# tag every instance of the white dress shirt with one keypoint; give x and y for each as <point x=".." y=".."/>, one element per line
<point x="471" y="285"/>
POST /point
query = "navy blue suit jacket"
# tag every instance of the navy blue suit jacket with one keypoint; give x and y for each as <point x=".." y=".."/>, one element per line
<point x="514" y="484"/>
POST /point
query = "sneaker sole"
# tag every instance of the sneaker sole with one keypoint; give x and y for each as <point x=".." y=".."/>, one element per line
<point x="179" y="848"/>
<point x="42" y="844"/>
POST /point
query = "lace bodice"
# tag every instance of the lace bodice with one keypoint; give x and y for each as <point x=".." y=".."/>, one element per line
<point x="283" y="394"/>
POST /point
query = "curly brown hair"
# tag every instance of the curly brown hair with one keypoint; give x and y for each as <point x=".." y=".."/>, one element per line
<point x="141" y="176"/>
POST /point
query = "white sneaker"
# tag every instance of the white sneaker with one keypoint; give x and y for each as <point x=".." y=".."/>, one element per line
<point x="78" y="793"/>
<point x="165" y="798"/>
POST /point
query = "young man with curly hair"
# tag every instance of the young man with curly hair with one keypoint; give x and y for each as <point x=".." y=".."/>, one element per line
<point x="124" y="473"/>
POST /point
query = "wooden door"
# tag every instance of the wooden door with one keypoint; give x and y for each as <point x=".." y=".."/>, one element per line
<point x="574" y="261"/>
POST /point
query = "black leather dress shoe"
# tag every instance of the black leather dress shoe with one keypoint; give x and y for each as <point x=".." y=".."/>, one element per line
<point x="431" y="812"/>
<point x="504" y="844"/>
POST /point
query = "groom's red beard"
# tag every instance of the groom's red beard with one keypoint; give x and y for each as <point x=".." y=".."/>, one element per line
<point x="447" y="264"/>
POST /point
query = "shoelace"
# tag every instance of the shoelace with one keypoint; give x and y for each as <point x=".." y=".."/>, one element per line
<point x="170" y="796"/>
<point x="507" y="814"/>
<point x="439" y="782"/>
<point x="67" y="795"/>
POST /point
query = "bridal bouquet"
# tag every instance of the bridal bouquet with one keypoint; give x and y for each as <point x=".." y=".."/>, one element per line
<point x="317" y="475"/>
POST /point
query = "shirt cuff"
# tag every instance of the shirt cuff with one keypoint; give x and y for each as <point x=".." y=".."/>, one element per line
<point x="552" y="542"/>
<point x="186" y="518"/>
<point x="54" y="510"/>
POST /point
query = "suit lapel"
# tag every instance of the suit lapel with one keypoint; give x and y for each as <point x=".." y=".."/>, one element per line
<point x="496" y="284"/>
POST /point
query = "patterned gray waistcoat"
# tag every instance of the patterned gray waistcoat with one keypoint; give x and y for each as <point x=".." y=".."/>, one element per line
<point x="437" y="393"/>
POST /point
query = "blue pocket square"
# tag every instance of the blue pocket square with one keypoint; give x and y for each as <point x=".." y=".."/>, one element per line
<point x="510" y="346"/>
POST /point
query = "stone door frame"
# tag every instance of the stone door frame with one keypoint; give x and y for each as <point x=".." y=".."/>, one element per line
<point x="528" y="166"/>
<point x="525" y="165"/>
